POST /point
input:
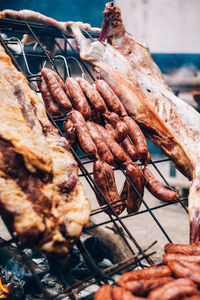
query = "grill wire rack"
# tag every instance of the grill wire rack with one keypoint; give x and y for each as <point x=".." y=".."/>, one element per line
<point x="14" y="30"/>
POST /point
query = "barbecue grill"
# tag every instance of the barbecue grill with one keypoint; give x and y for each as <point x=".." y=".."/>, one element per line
<point x="64" y="63"/>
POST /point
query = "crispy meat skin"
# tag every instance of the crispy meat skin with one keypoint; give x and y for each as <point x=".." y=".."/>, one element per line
<point x="166" y="120"/>
<point x="40" y="193"/>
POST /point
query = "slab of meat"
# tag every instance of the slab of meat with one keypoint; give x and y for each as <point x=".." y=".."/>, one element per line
<point x="166" y="120"/>
<point x="41" y="196"/>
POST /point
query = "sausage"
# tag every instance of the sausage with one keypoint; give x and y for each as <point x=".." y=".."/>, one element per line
<point x="112" y="118"/>
<point x="176" y="289"/>
<point x="82" y="132"/>
<point x="137" y="137"/>
<point x="70" y="132"/>
<point x="102" y="148"/>
<point x="120" y="131"/>
<point x="156" y="189"/>
<point x="78" y="98"/>
<point x="110" y="98"/>
<point x="92" y="94"/>
<point x="130" y="148"/>
<point x="148" y="273"/>
<point x="191" y="298"/>
<point x="185" y="269"/>
<point x="55" y="89"/>
<point x="105" y="180"/>
<point x="183" y="249"/>
<point x="119" y="293"/>
<point x="133" y="201"/>
<point x="116" y="150"/>
<point x="177" y="256"/>
<point x="144" y="286"/>
<point x="50" y="105"/>
<point x="96" y="116"/>
<point x="105" y="292"/>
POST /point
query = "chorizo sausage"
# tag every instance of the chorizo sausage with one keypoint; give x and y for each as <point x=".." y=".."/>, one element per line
<point x="177" y="256"/>
<point x="105" y="292"/>
<point x="116" y="150"/>
<point x="133" y="201"/>
<point x="82" y="132"/>
<point x="96" y="116"/>
<point x="105" y="180"/>
<point x="176" y="289"/>
<point x="130" y="149"/>
<point x="70" y="132"/>
<point x="183" y="249"/>
<point x="55" y="89"/>
<point x="144" y="286"/>
<point x="50" y="105"/>
<point x="148" y="273"/>
<point x="78" y="98"/>
<point x="110" y="98"/>
<point x="119" y="293"/>
<point x="92" y="95"/>
<point x="156" y="189"/>
<point x="102" y="148"/>
<point x="137" y="137"/>
<point x="185" y="269"/>
<point x="120" y="131"/>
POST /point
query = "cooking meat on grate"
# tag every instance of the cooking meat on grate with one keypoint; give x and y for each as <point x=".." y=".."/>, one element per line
<point x="41" y="196"/>
<point x="169" y="122"/>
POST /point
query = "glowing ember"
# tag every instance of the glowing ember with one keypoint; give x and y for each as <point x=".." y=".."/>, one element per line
<point x="3" y="289"/>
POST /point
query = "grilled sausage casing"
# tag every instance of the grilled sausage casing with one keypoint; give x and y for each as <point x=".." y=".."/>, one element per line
<point x="82" y="132"/>
<point x="156" y="189"/>
<point x="183" y="249"/>
<point x="78" y="98"/>
<point x="105" y="180"/>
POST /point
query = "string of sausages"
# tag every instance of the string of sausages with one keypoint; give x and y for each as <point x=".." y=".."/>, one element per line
<point x="178" y="278"/>
<point x="100" y="124"/>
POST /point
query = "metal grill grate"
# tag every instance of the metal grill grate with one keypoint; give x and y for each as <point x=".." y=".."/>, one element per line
<point x="15" y="28"/>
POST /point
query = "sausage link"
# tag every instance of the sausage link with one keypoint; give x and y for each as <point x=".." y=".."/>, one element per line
<point x="92" y="94"/>
<point x="197" y="297"/>
<point x="121" y="131"/>
<point x="110" y="98"/>
<point x="70" y="132"/>
<point x="130" y="148"/>
<point x="156" y="189"/>
<point x="50" y="105"/>
<point x="148" y="273"/>
<point x="55" y="89"/>
<point x="96" y="116"/>
<point x="112" y="118"/>
<point x="105" y="292"/>
<point x="116" y="150"/>
<point x="78" y="98"/>
<point x="176" y="256"/>
<point x="133" y="201"/>
<point x="137" y="137"/>
<point x="176" y="289"/>
<point x="119" y="293"/>
<point x="105" y="180"/>
<point x="183" y="249"/>
<point x="102" y="148"/>
<point x="185" y="269"/>
<point x="82" y="132"/>
<point x="144" y="286"/>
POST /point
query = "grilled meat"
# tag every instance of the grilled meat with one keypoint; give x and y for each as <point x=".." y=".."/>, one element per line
<point x="41" y="196"/>
<point x="169" y="122"/>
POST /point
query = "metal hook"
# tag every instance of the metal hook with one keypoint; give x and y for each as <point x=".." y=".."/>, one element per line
<point x="79" y="64"/>
<point x="89" y="35"/>
<point x="65" y="63"/>
<point x="23" y="53"/>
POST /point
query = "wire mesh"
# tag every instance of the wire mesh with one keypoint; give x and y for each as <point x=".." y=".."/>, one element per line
<point x="68" y="52"/>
